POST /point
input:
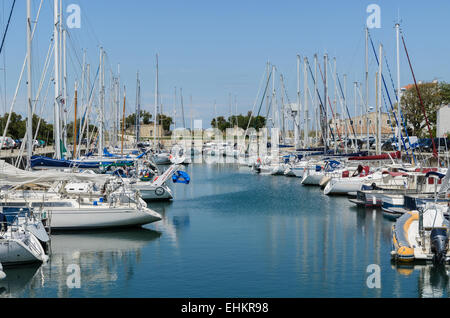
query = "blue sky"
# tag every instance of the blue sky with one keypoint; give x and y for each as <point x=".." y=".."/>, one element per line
<point x="215" y="48"/>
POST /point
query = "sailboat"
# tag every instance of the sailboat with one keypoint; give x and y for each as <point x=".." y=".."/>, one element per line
<point x="75" y="200"/>
<point x="17" y="244"/>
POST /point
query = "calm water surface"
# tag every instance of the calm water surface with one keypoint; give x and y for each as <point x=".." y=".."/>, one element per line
<point x="233" y="234"/>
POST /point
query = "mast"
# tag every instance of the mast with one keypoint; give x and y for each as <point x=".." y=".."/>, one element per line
<point x="182" y="108"/>
<point x="316" y="104"/>
<point x="297" y="114"/>
<point x="102" y="102"/>
<point x="380" y="72"/>
<point x="138" y="109"/>
<point x="376" y="113"/>
<point x="175" y="108"/>
<point x="347" y="124"/>
<point x="267" y="94"/>
<point x="305" y="109"/>
<point x="399" y="97"/>
<point x="29" y="89"/>
<point x="57" y="132"/>
<point x="325" y="117"/>
<point x="64" y="86"/>
<point x="355" y="115"/>
<point x="156" y="104"/>
<point x="75" y="128"/>
<point x="123" y="116"/>
<point x="335" y="98"/>
<point x="283" y="129"/>
<point x="117" y="123"/>
<point x="367" y="89"/>
<point x="274" y="102"/>
<point x="191" y="113"/>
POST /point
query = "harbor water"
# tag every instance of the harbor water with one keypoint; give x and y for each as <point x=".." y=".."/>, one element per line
<point x="231" y="233"/>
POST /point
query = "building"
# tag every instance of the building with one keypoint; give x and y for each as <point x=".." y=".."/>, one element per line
<point x="443" y="121"/>
<point x="146" y="131"/>
<point x="360" y="125"/>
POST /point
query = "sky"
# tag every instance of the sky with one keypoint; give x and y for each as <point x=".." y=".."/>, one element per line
<point x="212" y="49"/>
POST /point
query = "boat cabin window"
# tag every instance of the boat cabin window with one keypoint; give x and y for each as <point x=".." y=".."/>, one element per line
<point x="51" y="204"/>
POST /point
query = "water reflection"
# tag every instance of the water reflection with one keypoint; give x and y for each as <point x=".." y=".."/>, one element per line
<point x="102" y="256"/>
<point x="17" y="279"/>
<point x="433" y="281"/>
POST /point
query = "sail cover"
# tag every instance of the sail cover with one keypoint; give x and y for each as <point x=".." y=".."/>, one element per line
<point x="10" y="175"/>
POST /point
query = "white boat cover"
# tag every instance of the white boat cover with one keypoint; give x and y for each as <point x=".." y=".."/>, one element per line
<point x="10" y="175"/>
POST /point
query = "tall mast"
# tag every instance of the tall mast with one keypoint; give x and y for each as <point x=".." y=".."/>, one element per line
<point x="273" y="96"/>
<point x="399" y="97"/>
<point x="88" y="100"/>
<point x="64" y="86"/>
<point x="316" y="104"/>
<point x="156" y="104"/>
<point x="29" y="88"/>
<point x="174" y="108"/>
<point x="57" y="132"/>
<point x="297" y="114"/>
<point x="138" y="109"/>
<point x="355" y="115"/>
<point x="335" y="98"/>
<point x="347" y="124"/>
<point x="305" y="109"/>
<point x="190" y="112"/>
<point x="182" y="108"/>
<point x="75" y="128"/>
<point x="123" y="115"/>
<point x="267" y="94"/>
<point x="229" y="105"/>
<point x="325" y="98"/>
<point x="117" y="124"/>
<point x="380" y="72"/>
<point x="102" y="103"/>
<point x="367" y="88"/>
<point x="283" y="135"/>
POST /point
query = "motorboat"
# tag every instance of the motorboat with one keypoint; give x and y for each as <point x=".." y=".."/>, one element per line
<point x="389" y="192"/>
<point x="421" y="235"/>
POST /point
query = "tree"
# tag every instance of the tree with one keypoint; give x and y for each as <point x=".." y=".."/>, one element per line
<point x="165" y="121"/>
<point x="220" y="123"/>
<point x="18" y="126"/>
<point x="257" y="122"/>
<point x="130" y="121"/>
<point x="433" y="96"/>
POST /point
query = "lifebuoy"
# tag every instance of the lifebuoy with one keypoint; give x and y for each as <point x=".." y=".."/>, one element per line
<point x="159" y="191"/>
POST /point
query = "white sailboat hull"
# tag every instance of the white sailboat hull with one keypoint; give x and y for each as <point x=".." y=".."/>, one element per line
<point x="312" y="178"/>
<point x="23" y="250"/>
<point x="336" y="186"/>
<point x="85" y="218"/>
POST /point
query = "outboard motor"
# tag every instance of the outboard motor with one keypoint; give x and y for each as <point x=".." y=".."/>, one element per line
<point x="3" y="223"/>
<point x="439" y="245"/>
<point x="2" y="273"/>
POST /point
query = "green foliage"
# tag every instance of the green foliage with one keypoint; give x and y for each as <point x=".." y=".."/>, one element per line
<point x="17" y="127"/>
<point x="145" y="117"/>
<point x="433" y="96"/>
<point x="165" y="121"/>
<point x="241" y="121"/>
